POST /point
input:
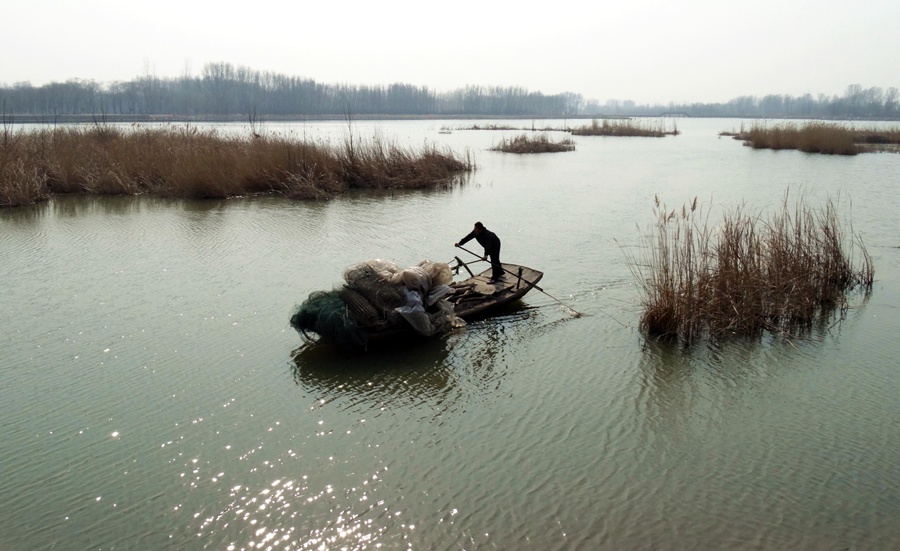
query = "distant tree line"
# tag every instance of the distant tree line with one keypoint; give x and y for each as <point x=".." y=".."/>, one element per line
<point x="224" y="90"/>
<point x="856" y="103"/>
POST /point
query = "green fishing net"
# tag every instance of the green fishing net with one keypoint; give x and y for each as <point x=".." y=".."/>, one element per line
<point x="325" y="314"/>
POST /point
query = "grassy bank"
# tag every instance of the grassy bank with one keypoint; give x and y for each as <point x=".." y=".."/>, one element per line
<point x="820" y="137"/>
<point x="747" y="275"/>
<point x="185" y="162"/>
<point x="540" y="143"/>
<point x="625" y="128"/>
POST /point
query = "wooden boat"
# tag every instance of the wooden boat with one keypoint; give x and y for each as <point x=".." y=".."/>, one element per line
<point x="358" y="324"/>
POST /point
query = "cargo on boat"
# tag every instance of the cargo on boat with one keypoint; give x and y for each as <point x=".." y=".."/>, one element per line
<point x="380" y="301"/>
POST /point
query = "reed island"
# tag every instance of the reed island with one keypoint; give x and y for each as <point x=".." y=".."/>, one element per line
<point x="748" y="273"/>
<point x="540" y="143"/>
<point x="187" y="162"/>
<point x="819" y="137"/>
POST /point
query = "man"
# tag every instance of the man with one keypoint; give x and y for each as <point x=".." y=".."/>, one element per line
<point x="491" y="244"/>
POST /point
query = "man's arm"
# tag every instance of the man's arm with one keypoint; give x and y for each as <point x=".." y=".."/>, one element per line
<point x="465" y="240"/>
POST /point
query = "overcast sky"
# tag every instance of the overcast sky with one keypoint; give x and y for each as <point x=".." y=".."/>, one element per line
<point x="645" y="50"/>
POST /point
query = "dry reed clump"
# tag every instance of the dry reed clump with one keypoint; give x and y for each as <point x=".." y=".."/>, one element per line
<point x="625" y="128"/>
<point x="749" y="275"/>
<point x="20" y="182"/>
<point x="533" y="144"/>
<point x="820" y="137"/>
<point x="488" y="127"/>
<point x="375" y="164"/>
<point x="189" y="163"/>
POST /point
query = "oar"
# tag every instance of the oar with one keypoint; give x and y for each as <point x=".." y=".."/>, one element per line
<point x="575" y="312"/>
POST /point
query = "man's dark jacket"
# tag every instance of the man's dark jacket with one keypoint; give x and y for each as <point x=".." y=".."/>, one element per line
<point x="486" y="239"/>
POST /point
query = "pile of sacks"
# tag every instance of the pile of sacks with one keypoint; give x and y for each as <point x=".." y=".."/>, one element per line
<point x="377" y="294"/>
<point x="380" y="291"/>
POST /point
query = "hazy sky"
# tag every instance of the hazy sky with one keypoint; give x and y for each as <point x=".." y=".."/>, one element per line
<point x="644" y="50"/>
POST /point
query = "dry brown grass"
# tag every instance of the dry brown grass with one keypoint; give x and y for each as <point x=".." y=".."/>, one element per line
<point x="20" y="182"/>
<point x="625" y="128"/>
<point x="540" y="143"/>
<point x="748" y="275"/>
<point x="820" y="137"/>
<point x="188" y="163"/>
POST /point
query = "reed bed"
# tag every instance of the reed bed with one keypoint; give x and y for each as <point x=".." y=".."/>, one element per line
<point x="625" y="128"/>
<point x="532" y="128"/>
<point x="540" y="143"/>
<point x="184" y="162"/>
<point x="820" y="137"/>
<point x="489" y="127"/>
<point x="748" y="275"/>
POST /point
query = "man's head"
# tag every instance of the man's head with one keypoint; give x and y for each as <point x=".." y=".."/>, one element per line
<point x="478" y="228"/>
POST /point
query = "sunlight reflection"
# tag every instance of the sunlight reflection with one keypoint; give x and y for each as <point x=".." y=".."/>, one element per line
<point x="292" y="514"/>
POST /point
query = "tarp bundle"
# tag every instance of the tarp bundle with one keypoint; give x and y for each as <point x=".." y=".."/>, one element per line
<point x="378" y="294"/>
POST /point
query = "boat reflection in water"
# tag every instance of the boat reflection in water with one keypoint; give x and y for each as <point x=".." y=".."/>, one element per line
<point x="380" y="374"/>
<point x="410" y="371"/>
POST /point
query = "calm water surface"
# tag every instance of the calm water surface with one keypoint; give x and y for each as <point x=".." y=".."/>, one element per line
<point x="154" y="397"/>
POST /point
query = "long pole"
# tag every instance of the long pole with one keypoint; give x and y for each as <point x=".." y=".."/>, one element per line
<point x="576" y="313"/>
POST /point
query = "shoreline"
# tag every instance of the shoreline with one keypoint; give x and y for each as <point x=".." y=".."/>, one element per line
<point x="244" y="118"/>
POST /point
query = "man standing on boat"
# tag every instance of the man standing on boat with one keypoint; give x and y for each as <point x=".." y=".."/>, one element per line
<point x="491" y="243"/>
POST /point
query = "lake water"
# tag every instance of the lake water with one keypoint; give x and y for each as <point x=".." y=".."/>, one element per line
<point x="153" y="396"/>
